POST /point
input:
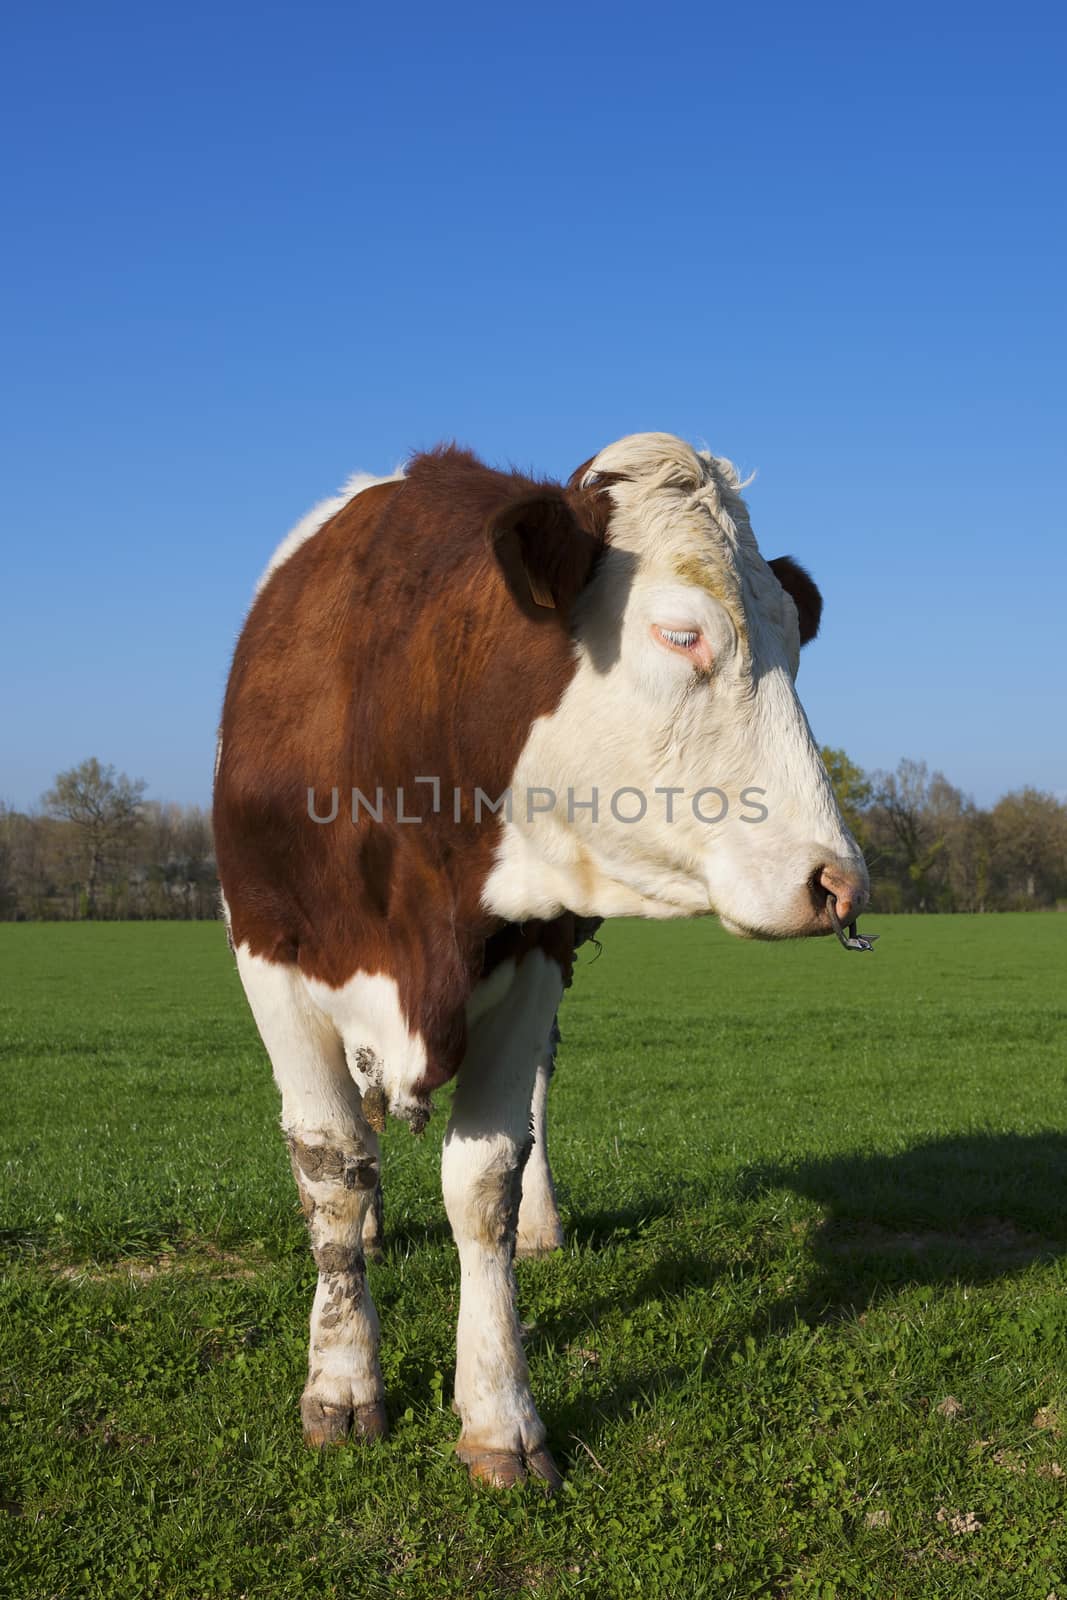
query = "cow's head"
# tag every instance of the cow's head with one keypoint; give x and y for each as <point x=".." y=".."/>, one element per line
<point x="688" y="644"/>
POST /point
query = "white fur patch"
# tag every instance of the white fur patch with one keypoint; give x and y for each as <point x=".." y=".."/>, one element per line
<point x="380" y="1048"/>
<point x="305" y="1048"/>
<point x="639" y="717"/>
<point x="329" y="1046"/>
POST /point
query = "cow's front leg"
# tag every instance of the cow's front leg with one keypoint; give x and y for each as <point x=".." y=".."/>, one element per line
<point x="540" y="1231"/>
<point x="337" y="1174"/>
<point x="334" y="1156"/>
<point x="486" y="1146"/>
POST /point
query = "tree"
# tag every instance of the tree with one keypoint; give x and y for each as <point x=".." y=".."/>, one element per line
<point x="1030" y="834"/>
<point x="908" y="822"/>
<point x="851" y="787"/>
<point x="8" y="894"/>
<point x="31" y="853"/>
<point x="176" y="861"/>
<point x="104" y="809"/>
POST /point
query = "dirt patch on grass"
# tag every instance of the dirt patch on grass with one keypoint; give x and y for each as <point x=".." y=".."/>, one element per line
<point x="105" y="1431"/>
<point x="987" y="1239"/>
<point x="197" y="1257"/>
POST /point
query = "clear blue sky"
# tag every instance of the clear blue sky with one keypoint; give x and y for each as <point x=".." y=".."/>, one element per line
<point x="250" y="249"/>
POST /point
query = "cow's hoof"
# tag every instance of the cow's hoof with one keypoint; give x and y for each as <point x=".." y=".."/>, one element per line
<point x="369" y="1421"/>
<point x="326" y="1424"/>
<point x="503" y="1469"/>
<point x="540" y="1465"/>
<point x="544" y="1243"/>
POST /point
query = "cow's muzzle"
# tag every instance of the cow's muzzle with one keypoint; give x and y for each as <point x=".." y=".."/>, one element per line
<point x="847" y="889"/>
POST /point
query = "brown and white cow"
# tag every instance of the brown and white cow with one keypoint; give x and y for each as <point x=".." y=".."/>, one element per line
<point x="467" y="710"/>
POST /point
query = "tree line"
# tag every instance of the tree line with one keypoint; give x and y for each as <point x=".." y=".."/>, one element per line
<point x="96" y="848"/>
<point x="930" y="848"/>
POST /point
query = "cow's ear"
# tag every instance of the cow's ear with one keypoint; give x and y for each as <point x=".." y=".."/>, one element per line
<point x="803" y="591"/>
<point x="543" y="551"/>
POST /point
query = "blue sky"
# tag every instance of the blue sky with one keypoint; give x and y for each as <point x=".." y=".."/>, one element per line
<point x="251" y="249"/>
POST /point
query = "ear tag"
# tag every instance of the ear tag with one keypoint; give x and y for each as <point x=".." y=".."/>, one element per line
<point x="539" y="591"/>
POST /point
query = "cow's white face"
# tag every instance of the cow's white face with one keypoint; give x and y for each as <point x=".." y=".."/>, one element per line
<point x="688" y="649"/>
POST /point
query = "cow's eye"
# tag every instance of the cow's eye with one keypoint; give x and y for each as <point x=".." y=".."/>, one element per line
<point x="688" y="642"/>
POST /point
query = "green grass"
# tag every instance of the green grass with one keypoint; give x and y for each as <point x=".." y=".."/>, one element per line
<point x="809" y="1336"/>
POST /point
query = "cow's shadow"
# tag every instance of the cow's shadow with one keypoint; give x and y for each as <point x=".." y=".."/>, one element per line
<point x="965" y="1208"/>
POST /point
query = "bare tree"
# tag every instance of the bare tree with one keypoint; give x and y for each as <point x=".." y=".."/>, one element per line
<point x="104" y="809"/>
<point x="908" y="817"/>
<point x="8" y="893"/>
<point x="30" y="862"/>
<point x="176" y="861"/>
<point x="1030" y="830"/>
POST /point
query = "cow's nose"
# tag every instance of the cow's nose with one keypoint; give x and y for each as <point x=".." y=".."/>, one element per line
<point x="847" y="888"/>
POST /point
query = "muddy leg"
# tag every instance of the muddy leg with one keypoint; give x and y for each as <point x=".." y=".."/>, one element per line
<point x="334" y="1156"/>
<point x="337" y="1177"/>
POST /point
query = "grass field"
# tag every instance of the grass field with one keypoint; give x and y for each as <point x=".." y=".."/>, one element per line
<point x="808" y="1338"/>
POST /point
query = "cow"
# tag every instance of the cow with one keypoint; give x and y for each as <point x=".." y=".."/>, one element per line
<point x="470" y="713"/>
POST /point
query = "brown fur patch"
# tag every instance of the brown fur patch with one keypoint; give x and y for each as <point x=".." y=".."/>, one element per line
<point x="387" y="647"/>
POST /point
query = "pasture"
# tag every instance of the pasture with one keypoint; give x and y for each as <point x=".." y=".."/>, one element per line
<point x="808" y="1338"/>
